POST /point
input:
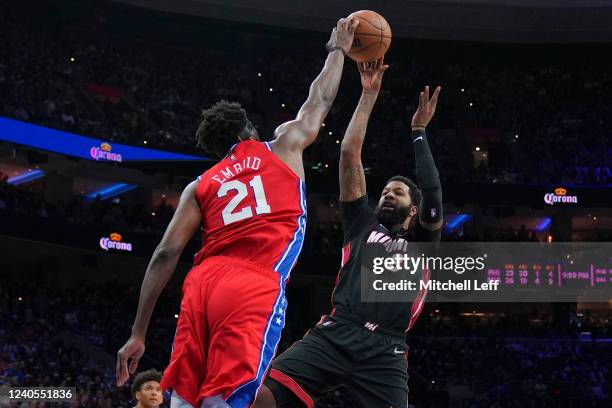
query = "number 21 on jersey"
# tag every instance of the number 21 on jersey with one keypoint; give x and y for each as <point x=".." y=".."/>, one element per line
<point x="242" y="191"/>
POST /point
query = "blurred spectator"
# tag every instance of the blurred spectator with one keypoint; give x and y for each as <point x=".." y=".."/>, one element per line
<point x="146" y="389"/>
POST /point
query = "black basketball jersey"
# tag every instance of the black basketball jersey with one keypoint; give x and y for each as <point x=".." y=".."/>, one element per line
<point x="365" y="239"/>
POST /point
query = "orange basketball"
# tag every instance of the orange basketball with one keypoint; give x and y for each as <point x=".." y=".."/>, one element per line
<point x="372" y="36"/>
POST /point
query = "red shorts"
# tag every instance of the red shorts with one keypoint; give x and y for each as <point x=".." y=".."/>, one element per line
<point x="232" y="314"/>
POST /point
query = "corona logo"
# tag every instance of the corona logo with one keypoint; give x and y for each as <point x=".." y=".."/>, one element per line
<point x="104" y="152"/>
<point x="113" y="241"/>
<point x="560" y="197"/>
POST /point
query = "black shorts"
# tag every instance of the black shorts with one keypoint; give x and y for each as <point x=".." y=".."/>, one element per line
<point x="337" y="352"/>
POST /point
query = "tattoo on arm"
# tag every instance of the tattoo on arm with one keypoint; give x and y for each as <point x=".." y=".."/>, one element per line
<point x="352" y="177"/>
<point x="352" y="183"/>
<point x="359" y="122"/>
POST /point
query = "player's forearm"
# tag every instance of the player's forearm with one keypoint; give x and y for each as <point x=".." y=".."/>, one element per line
<point x="162" y="266"/>
<point x="430" y="211"/>
<point x="352" y="177"/>
<point x="325" y="86"/>
<point x="356" y="130"/>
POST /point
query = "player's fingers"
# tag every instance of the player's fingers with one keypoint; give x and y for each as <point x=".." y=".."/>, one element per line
<point x="385" y="67"/>
<point x="121" y="369"/>
<point x="434" y="98"/>
<point x="353" y="24"/>
<point x="426" y="93"/>
<point x="421" y="99"/>
<point x="339" y="24"/>
<point x="118" y="371"/>
<point x="133" y="365"/>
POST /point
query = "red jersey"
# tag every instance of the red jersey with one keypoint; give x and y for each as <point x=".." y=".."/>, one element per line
<point x="253" y="208"/>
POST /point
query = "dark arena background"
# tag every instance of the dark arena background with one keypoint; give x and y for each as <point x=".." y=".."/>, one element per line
<point x="99" y="105"/>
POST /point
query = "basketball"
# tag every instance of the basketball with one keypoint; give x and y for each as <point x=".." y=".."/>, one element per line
<point x="372" y="36"/>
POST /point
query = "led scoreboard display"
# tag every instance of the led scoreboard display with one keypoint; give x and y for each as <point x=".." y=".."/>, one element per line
<point x="542" y="275"/>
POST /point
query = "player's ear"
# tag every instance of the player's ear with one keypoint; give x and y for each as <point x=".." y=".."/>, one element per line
<point x="414" y="210"/>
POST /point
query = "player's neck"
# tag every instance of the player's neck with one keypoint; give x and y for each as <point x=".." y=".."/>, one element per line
<point x="406" y="225"/>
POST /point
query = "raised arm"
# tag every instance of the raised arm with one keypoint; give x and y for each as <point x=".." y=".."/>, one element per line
<point x="430" y="210"/>
<point x="352" y="177"/>
<point x="185" y="222"/>
<point x="291" y="138"/>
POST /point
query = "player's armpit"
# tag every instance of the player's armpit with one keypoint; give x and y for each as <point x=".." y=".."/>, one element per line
<point x="296" y="134"/>
<point x="352" y="181"/>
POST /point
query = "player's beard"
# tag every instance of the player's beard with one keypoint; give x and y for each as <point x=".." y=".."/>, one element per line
<point x="391" y="218"/>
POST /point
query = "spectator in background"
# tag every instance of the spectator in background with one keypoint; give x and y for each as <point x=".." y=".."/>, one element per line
<point x="146" y="389"/>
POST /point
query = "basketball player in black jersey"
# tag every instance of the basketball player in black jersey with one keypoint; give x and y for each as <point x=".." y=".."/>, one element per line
<point x="360" y="345"/>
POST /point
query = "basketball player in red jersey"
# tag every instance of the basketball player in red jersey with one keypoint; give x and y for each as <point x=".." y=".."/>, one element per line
<point x="251" y="207"/>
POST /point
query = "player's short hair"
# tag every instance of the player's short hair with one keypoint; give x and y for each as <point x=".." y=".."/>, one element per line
<point x="220" y="126"/>
<point x="413" y="189"/>
<point x="144" y="377"/>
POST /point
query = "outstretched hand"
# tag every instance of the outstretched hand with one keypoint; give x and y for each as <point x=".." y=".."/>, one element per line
<point x="372" y="74"/>
<point x="427" y="107"/>
<point x="130" y="352"/>
<point x="342" y="34"/>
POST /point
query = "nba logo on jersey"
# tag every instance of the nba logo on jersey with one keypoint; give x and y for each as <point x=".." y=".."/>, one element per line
<point x="433" y="212"/>
<point x="233" y="157"/>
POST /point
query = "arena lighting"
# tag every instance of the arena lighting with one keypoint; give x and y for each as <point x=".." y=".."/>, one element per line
<point x="70" y="144"/>
<point x="111" y="191"/>
<point x="477" y="149"/>
<point x="456" y="220"/>
<point x="26" y="177"/>
<point x="543" y="223"/>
